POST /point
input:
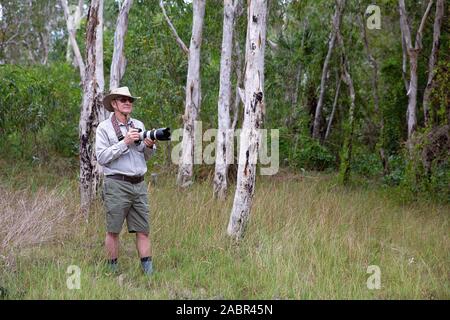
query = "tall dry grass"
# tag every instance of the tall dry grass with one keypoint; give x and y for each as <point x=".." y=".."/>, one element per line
<point x="30" y="219"/>
<point x="307" y="238"/>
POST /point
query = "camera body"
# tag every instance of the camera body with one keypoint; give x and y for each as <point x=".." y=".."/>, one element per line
<point x="161" y="134"/>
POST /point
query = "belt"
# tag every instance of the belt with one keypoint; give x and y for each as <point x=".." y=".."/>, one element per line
<point x="133" y="180"/>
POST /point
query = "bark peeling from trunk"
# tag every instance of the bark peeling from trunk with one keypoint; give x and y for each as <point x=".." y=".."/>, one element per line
<point x="224" y="140"/>
<point x="193" y="98"/>
<point x="253" y="118"/>
<point x="90" y="109"/>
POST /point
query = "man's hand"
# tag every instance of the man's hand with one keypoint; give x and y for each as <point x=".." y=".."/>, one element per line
<point x="131" y="136"/>
<point x="149" y="143"/>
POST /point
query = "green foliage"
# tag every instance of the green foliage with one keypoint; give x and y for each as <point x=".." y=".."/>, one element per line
<point x="40" y="105"/>
<point x="440" y="95"/>
<point x="422" y="183"/>
<point x="413" y="182"/>
<point x="314" y="156"/>
<point x="39" y="111"/>
<point x="306" y="153"/>
<point x="366" y="163"/>
<point x="397" y="166"/>
<point x="156" y="67"/>
<point x="393" y="104"/>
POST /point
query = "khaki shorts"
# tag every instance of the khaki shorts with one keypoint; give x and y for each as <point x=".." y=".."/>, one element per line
<point x="124" y="200"/>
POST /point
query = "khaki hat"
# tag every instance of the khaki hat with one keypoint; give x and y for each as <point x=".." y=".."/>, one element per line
<point x="114" y="93"/>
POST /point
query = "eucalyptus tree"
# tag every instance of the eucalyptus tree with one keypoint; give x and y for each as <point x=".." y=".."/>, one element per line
<point x="27" y="31"/>
<point x="336" y="24"/>
<point x="224" y="135"/>
<point x="253" y="117"/>
<point x="71" y="22"/>
<point x="193" y="97"/>
<point x="335" y="103"/>
<point x="193" y="91"/>
<point x="118" y="63"/>
<point x="92" y="107"/>
<point x="412" y="51"/>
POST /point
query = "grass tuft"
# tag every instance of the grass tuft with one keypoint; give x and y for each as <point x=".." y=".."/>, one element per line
<point x="307" y="238"/>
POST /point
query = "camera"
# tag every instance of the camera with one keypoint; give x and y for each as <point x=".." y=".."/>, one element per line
<point x="161" y="134"/>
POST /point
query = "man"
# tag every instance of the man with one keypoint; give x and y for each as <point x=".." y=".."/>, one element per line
<point x="124" y="158"/>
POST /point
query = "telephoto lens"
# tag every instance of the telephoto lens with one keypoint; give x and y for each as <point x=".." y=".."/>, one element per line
<point x="161" y="134"/>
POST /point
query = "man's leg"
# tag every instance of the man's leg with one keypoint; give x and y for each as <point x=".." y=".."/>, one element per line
<point x="112" y="245"/>
<point x="143" y="245"/>
<point x="145" y="252"/>
<point x="112" y="250"/>
<point x="117" y="203"/>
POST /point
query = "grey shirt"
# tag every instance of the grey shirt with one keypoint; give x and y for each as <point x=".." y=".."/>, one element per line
<point x="115" y="156"/>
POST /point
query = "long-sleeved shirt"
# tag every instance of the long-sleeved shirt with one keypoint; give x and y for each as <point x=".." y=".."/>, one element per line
<point x="116" y="156"/>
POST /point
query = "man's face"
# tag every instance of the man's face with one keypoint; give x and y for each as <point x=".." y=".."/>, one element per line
<point x="123" y="104"/>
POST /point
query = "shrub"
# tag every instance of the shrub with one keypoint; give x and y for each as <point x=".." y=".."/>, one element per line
<point x="311" y="155"/>
<point x="397" y="166"/>
<point x="39" y="110"/>
<point x="366" y="163"/>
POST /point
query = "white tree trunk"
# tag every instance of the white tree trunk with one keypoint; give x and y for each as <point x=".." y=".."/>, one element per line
<point x="335" y="28"/>
<point x="102" y="112"/>
<point x="433" y="58"/>
<point x="298" y="79"/>
<point x="73" y="42"/>
<point x="413" y="54"/>
<point x="91" y="105"/>
<point x="333" y="111"/>
<point x="74" y="21"/>
<point x="412" y="94"/>
<point x="193" y="97"/>
<point x="239" y="75"/>
<point x="118" y="63"/>
<point x="404" y="62"/>
<point x="253" y="117"/>
<point x="222" y="149"/>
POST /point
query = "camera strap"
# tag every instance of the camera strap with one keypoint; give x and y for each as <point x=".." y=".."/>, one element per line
<point x="115" y="125"/>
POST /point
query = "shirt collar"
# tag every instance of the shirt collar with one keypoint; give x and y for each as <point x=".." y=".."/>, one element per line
<point x="120" y="123"/>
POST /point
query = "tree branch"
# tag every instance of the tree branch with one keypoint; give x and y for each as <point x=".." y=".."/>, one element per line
<point x="404" y="25"/>
<point x="418" y="45"/>
<point x="174" y="31"/>
<point x="73" y="40"/>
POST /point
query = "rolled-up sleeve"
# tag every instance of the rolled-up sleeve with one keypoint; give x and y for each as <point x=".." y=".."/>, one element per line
<point x="106" y="153"/>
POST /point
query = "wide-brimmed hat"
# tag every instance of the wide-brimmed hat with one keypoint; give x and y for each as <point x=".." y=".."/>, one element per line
<point x="114" y="93"/>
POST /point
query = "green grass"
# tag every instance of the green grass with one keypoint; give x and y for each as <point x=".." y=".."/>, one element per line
<point x="307" y="239"/>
